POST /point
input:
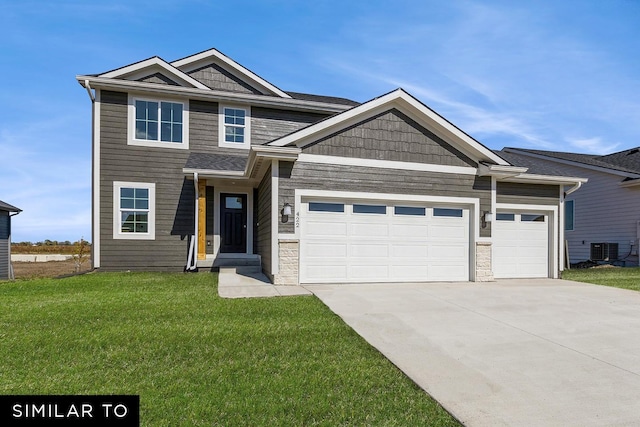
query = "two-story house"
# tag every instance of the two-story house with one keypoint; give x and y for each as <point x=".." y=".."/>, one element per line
<point x="200" y="160"/>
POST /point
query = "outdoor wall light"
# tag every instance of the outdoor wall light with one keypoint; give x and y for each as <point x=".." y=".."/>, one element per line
<point x="486" y="218"/>
<point x="286" y="211"/>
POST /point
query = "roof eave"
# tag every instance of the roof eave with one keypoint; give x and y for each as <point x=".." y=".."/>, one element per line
<point x="545" y="179"/>
<point x="213" y="95"/>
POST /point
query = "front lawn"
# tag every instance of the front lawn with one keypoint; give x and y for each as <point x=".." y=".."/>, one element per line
<point x="627" y="278"/>
<point x="196" y="359"/>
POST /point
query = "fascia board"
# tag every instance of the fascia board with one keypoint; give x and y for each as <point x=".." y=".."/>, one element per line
<point x="192" y="62"/>
<point x="573" y="163"/>
<point x="212" y="95"/>
<point x="406" y="104"/>
<point x="151" y="63"/>
<point x="500" y="171"/>
<point x="545" y="179"/>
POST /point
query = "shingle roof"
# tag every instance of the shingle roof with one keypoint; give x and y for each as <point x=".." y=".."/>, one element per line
<point x="217" y="162"/>
<point x="322" y="98"/>
<point x="8" y="208"/>
<point x="624" y="161"/>
<point x="535" y="166"/>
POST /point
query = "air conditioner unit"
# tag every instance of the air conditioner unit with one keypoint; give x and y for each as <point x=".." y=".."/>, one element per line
<point x="604" y="251"/>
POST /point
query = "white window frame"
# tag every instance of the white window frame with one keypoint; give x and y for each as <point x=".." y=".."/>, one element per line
<point x="247" y="127"/>
<point x="131" y="123"/>
<point x="117" y="217"/>
<point x="573" y="214"/>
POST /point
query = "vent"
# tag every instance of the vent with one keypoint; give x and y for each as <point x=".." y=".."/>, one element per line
<point x="604" y="251"/>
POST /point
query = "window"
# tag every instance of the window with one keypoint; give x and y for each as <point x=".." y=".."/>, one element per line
<point x="408" y="210"/>
<point x="505" y="217"/>
<point x="158" y="123"/>
<point x="532" y="218"/>
<point x="370" y="209"/>
<point x="133" y="211"/>
<point x="569" y="215"/>
<point x="325" y="207"/>
<point x="455" y="213"/>
<point x="234" y="127"/>
<point x="233" y="202"/>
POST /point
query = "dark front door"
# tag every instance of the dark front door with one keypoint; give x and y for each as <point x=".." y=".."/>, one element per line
<point x="233" y="223"/>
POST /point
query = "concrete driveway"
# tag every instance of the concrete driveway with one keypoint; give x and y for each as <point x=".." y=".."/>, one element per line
<point x="513" y="352"/>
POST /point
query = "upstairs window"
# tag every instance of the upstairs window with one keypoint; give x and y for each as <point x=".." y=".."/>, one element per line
<point x="154" y="123"/>
<point x="234" y="127"/>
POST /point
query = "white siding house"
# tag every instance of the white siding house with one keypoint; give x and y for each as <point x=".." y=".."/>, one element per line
<point x="606" y="209"/>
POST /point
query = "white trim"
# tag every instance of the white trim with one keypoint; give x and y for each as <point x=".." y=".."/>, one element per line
<point x="214" y="95"/>
<point x="95" y="233"/>
<point x="200" y="59"/>
<point x="247" y="127"/>
<point x="494" y="196"/>
<point x="139" y="70"/>
<point x="131" y="123"/>
<point x="544" y="179"/>
<point x="275" y="216"/>
<point x="385" y="164"/>
<point x="574" y="163"/>
<point x="408" y="105"/>
<point x="151" y="232"/>
<point x="217" y="190"/>
<point x="554" y="245"/>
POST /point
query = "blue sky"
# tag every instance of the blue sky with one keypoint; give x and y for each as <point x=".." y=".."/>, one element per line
<point x="555" y="75"/>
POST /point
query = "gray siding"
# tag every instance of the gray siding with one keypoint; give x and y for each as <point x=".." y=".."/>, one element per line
<point x="264" y="221"/>
<point x="4" y="245"/>
<point x="371" y="180"/>
<point x="174" y="195"/>
<point x="268" y="124"/>
<point x="218" y="78"/>
<point x="159" y="79"/>
<point x="533" y="194"/>
<point x="390" y="136"/>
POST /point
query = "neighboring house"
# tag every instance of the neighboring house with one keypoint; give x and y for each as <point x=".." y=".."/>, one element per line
<point x="6" y="212"/>
<point x="200" y="161"/>
<point x="602" y="220"/>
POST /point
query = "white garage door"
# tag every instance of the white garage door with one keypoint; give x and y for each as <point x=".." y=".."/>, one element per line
<point x="351" y="242"/>
<point x="520" y="245"/>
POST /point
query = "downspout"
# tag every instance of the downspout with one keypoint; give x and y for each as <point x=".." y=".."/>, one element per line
<point x="572" y="189"/>
<point x="192" y="260"/>
<point x="87" y="86"/>
<point x="197" y="219"/>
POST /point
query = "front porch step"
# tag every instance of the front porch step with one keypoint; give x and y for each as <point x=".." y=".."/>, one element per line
<point x="251" y="262"/>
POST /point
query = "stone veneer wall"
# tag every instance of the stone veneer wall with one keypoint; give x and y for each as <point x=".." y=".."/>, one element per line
<point x="289" y="256"/>
<point x="484" y="271"/>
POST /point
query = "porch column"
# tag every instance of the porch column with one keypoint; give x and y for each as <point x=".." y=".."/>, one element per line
<point x="202" y="219"/>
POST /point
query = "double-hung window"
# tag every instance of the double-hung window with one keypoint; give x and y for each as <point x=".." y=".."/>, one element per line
<point x="156" y="123"/>
<point x="133" y="210"/>
<point x="235" y="130"/>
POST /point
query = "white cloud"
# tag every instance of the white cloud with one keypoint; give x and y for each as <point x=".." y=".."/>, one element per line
<point x="592" y="145"/>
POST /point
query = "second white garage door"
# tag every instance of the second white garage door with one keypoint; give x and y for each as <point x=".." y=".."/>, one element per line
<point x="356" y="242"/>
<point x="521" y="245"/>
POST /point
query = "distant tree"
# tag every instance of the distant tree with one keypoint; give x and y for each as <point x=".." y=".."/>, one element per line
<point x="66" y="243"/>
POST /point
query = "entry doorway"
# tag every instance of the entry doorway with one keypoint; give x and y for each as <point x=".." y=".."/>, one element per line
<point x="233" y="223"/>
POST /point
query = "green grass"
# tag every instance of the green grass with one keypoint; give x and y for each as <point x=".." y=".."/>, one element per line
<point x="626" y="278"/>
<point x="196" y="359"/>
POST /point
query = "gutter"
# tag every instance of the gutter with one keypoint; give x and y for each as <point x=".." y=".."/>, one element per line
<point x="572" y="189"/>
<point x="87" y="86"/>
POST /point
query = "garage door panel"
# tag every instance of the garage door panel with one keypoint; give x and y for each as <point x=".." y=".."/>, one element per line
<point x="348" y="247"/>
<point x="379" y="250"/>
<point x="410" y="231"/>
<point x="369" y="230"/>
<point x="458" y="231"/>
<point x="325" y="228"/>
<point x="409" y="251"/>
<point x="317" y="249"/>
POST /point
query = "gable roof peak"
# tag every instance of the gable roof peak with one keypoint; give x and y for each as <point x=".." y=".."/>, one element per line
<point x="149" y="65"/>
<point x="213" y="55"/>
